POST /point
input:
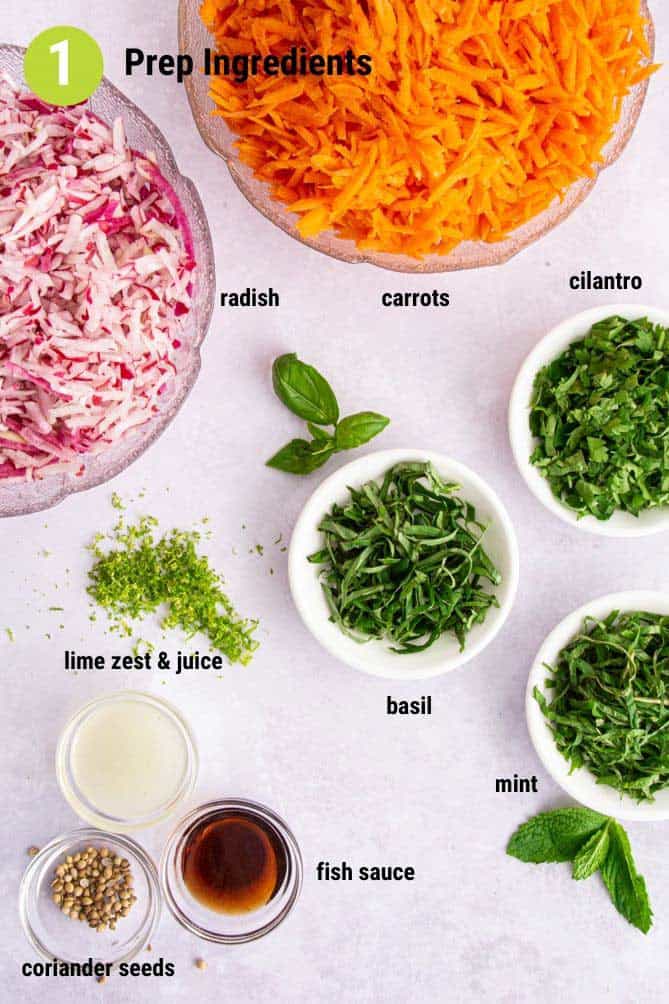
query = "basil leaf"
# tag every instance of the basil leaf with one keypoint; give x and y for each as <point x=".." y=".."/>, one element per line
<point x="304" y="391"/>
<point x="554" y="836"/>
<point x="320" y="434"/>
<point x="301" y="457"/>
<point x="626" y="887"/>
<point x="354" y="430"/>
<point x="591" y="856"/>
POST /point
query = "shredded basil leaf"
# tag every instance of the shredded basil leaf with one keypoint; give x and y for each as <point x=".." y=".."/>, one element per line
<point x="403" y="560"/>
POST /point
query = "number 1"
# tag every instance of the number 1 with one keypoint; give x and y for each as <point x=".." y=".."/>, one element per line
<point x="61" y="49"/>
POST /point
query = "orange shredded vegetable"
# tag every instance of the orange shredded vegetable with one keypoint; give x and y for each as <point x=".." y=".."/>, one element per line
<point x="476" y="116"/>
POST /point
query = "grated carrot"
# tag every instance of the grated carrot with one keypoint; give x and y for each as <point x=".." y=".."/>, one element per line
<point x="477" y="115"/>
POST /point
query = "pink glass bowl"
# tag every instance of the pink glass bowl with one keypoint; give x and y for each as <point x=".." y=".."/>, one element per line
<point x="17" y="499"/>
<point x="194" y="38"/>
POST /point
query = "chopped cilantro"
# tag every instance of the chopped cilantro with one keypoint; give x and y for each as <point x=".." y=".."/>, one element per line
<point x="600" y="415"/>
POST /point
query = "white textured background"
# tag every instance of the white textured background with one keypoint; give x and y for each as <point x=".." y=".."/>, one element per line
<point x="296" y="729"/>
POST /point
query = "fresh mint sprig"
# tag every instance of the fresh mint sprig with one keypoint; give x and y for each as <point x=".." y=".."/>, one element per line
<point x="309" y="396"/>
<point x="593" y="843"/>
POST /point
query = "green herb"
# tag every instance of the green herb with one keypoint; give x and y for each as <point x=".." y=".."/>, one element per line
<point x="142" y="572"/>
<point x="304" y="391"/>
<point x="301" y="457"/>
<point x="593" y="843"/>
<point x="309" y="396"/>
<point x="359" y="429"/>
<point x="626" y="887"/>
<point x="592" y="855"/>
<point x="9" y="633"/>
<point x="554" y="836"/>
<point x="600" y="414"/>
<point x="404" y="561"/>
<point x="610" y="706"/>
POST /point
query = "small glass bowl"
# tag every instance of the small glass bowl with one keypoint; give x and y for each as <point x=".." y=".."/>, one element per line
<point x="194" y="37"/>
<point x="55" y="936"/>
<point x="81" y="804"/>
<point x="223" y="928"/>
<point x="17" y="499"/>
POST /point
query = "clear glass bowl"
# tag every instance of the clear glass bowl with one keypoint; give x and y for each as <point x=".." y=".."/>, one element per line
<point x="222" y="928"/>
<point x="194" y="37"/>
<point x="66" y="774"/>
<point x="108" y="102"/>
<point x="55" y="936"/>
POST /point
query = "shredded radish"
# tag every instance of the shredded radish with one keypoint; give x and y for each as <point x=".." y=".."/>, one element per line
<point x="96" y="269"/>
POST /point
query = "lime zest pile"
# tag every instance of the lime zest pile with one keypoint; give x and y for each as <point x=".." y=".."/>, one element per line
<point x="143" y="571"/>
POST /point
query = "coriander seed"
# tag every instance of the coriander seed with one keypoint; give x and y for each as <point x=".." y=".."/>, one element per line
<point x="83" y="894"/>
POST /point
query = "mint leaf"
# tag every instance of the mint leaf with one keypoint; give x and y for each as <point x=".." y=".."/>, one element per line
<point x="554" y="836"/>
<point x="626" y="887"/>
<point x="592" y="854"/>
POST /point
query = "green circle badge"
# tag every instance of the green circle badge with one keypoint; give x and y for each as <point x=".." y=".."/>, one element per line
<point x="63" y="65"/>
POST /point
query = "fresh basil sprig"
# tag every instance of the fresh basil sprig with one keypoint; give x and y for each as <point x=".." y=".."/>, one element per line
<point x="304" y="390"/>
<point x="309" y="396"/>
<point x="593" y="843"/>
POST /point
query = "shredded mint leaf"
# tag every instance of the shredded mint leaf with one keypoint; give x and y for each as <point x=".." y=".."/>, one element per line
<point x="610" y="706"/>
<point x="592" y="854"/>
<point x="626" y="887"/>
<point x="554" y="836"/>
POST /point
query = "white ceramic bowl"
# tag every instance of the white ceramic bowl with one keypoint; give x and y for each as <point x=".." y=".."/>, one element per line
<point x="582" y="785"/>
<point x="375" y="657"/>
<point x="621" y="524"/>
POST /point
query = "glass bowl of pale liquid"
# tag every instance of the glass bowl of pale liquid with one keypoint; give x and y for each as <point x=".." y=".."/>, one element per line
<point x="126" y="761"/>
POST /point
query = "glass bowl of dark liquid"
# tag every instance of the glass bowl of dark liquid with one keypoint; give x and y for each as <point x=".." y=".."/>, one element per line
<point x="231" y="871"/>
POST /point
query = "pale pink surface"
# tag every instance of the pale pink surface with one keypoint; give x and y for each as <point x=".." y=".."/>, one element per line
<point x="296" y="729"/>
